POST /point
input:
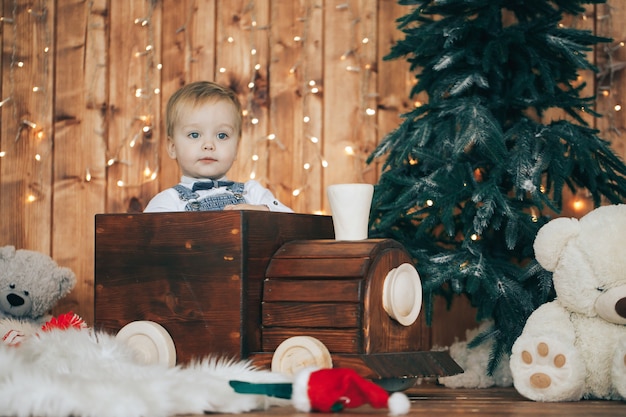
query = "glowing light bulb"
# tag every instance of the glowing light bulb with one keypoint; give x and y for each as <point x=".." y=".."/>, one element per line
<point x="578" y="205"/>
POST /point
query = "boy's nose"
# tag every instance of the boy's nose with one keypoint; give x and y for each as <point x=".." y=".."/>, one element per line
<point x="208" y="145"/>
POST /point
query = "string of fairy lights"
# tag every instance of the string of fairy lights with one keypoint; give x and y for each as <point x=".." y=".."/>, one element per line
<point x="34" y="124"/>
<point x="608" y="99"/>
<point x="141" y="125"/>
<point x="609" y="71"/>
<point x="257" y="35"/>
<point x="310" y="87"/>
<point x="357" y="61"/>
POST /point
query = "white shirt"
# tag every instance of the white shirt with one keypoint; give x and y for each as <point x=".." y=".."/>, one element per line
<point x="253" y="192"/>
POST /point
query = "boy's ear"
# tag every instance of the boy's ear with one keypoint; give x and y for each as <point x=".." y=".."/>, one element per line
<point x="171" y="149"/>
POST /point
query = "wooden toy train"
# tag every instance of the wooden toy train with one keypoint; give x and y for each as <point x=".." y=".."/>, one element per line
<point x="275" y="288"/>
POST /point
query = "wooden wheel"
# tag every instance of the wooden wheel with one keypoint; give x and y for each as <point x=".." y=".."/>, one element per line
<point x="152" y="343"/>
<point x="402" y="294"/>
<point x="299" y="352"/>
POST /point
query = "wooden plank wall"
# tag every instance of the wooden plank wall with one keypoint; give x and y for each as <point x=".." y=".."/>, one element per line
<point x="84" y="84"/>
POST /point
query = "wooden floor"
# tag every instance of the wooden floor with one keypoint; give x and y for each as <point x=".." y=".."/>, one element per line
<point x="437" y="401"/>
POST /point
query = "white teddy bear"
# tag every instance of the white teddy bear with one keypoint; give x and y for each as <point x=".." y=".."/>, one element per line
<point x="575" y="346"/>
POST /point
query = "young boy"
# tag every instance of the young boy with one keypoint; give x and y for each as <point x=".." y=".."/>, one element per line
<point x="203" y="121"/>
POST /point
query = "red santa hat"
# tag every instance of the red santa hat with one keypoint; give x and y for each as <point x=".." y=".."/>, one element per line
<point x="332" y="390"/>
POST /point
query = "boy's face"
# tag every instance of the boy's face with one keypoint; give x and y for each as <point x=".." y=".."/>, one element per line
<point x="205" y="139"/>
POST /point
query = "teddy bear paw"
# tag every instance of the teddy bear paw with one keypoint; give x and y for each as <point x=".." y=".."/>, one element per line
<point x="547" y="370"/>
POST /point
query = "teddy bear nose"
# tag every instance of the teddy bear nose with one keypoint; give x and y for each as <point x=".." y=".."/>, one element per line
<point x="611" y="305"/>
<point x="15" y="300"/>
<point x="620" y="307"/>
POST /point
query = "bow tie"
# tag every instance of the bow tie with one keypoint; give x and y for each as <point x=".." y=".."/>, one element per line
<point x="207" y="185"/>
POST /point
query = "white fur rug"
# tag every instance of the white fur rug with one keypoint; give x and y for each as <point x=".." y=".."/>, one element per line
<point x="475" y="362"/>
<point x="82" y="373"/>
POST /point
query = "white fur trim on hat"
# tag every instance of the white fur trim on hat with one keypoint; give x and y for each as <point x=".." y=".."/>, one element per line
<point x="398" y="404"/>
<point x="300" y="390"/>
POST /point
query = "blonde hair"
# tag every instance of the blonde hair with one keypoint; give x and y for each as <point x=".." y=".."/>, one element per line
<point x="199" y="92"/>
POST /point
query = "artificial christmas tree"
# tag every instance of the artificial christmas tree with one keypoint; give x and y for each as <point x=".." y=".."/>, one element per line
<point x="471" y="175"/>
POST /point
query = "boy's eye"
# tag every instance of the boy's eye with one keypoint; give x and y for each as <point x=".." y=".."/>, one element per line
<point x="194" y="135"/>
<point x="222" y="136"/>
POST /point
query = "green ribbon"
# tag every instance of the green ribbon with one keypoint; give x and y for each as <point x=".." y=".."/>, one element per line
<point x="278" y="390"/>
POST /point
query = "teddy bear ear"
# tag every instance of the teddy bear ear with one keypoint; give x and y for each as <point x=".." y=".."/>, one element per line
<point x="7" y="252"/>
<point x="552" y="238"/>
<point x="66" y="279"/>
